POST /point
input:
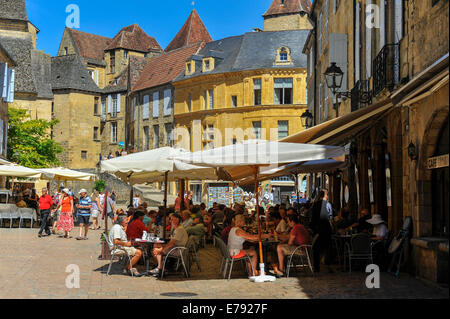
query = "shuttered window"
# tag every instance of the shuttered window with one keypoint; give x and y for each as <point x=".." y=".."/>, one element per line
<point x="398" y="20"/>
<point x="357" y="41"/>
<point x="155" y="104"/>
<point x="368" y="42"/>
<point x="211" y="99"/>
<point x="283" y="129"/>
<point x="109" y="104"/>
<point x="146" y="110"/>
<point x="156" y="136"/>
<point x="167" y="102"/>
<point x="10" y="94"/>
<point x="3" y="80"/>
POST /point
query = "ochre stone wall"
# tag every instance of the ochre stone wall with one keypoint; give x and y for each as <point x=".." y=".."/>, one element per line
<point x="287" y="22"/>
<point x="74" y="132"/>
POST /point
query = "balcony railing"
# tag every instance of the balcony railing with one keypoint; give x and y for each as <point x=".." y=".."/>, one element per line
<point x="386" y="69"/>
<point x="361" y="95"/>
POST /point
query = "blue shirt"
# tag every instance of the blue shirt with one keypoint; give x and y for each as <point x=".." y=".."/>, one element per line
<point x="86" y="201"/>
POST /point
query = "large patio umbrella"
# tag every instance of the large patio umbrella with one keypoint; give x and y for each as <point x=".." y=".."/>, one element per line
<point x="20" y="171"/>
<point x="67" y="174"/>
<point x="252" y="155"/>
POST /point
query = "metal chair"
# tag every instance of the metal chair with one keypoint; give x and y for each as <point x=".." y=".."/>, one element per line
<point x="301" y="252"/>
<point x="228" y="260"/>
<point x="180" y="254"/>
<point x="193" y="251"/>
<point x="360" y="248"/>
<point x="26" y="213"/>
<point x="13" y="214"/>
<point x="116" y="251"/>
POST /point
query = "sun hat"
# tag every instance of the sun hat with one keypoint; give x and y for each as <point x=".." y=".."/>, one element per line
<point x="66" y="190"/>
<point x="376" y="220"/>
<point x="82" y="191"/>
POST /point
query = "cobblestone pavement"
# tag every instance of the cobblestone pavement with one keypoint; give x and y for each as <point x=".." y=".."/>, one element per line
<point x="32" y="267"/>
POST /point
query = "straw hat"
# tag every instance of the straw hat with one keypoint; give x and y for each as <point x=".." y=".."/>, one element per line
<point x="376" y="220"/>
<point x="82" y="191"/>
<point x="66" y="190"/>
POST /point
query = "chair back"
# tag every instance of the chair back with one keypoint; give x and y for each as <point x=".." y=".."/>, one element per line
<point x="190" y="245"/>
<point x="223" y="247"/>
<point x="361" y="244"/>
<point x="108" y="241"/>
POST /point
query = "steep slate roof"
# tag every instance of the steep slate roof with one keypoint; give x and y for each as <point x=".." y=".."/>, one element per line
<point x="193" y="31"/>
<point x="89" y="46"/>
<point x="31" y="67"/>
<point x="135" y="39"/>
<point x="165" y="68"/>
<point x="68" y="72"/>
<point x="132" y="71"/>
<point x="252" y="51"/>
<point x="13" y="10"/>
<point x="289" y="6"/>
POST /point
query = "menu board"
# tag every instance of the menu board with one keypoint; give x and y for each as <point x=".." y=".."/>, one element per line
<point x="238" y="195"/>
<point x="221" y="195"/>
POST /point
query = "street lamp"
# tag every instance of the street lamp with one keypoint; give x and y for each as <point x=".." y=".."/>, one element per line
<point x="307" y="119"/>
<point x="334" y="76"/>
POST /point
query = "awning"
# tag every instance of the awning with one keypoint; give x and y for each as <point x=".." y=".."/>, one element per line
<point x="337" y="131"/>
<point x="67" y="174"/>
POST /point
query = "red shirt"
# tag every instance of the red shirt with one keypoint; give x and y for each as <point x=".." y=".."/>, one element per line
<point x="302" y="236"/>
<point x="45" y="202"/>
<point x="136" y="229"/>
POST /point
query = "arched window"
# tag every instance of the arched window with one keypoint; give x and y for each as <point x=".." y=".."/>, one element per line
<point x="284" y="55"/>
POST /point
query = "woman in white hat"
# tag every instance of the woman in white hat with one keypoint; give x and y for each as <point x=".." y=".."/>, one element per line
<point x="65" y="222"/>
<point x="380" y="229"/>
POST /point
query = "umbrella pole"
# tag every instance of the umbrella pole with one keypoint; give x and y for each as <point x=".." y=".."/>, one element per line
<point x="166" y="178"/>
<point x="262" y="276"/>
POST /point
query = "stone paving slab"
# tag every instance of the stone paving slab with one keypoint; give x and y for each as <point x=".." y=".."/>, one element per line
<point x="32" y="267"/>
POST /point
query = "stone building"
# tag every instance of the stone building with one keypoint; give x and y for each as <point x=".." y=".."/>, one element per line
<point x="75" y="104"/>
<point x="7" y="81"/>
<point x="287" y="15"/>
<point x="239" y="88"/>
<point x="18" y="37"/>
<point x="385" y="53"/>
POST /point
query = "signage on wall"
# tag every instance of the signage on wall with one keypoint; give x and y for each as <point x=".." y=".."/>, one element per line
<point x="388" y="181"/>
<point x="437" y="162"/>
<point x="370" y="175"/>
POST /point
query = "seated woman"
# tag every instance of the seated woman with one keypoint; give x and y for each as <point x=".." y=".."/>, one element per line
<point x="236" y="239"/>
<point x="299" y="236"/>
<point x="136" y="226"/>
<point x="380" y="230"/>
<point x="282" y="227"/>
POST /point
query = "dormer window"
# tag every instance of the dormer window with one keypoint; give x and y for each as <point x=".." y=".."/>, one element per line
<point x="125" y="54"/>
<point x="208" y="64"/>
<point x="190" y="67"/>
<point x="284" y="56"/>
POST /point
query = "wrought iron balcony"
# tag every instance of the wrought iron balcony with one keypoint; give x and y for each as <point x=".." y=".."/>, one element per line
<point x="386" y="69"/>
<point x="361" y="95"/>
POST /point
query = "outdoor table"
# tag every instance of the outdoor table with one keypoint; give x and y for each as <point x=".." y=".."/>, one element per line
<point x="340" y="241"/>
<point x="149" y="244"/>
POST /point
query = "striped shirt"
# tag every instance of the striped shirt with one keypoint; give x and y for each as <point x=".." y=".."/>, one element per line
<point x="86" y="201"/>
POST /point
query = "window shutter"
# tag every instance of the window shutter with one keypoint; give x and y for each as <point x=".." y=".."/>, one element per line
<point x="1" y="137"/>
<point x="338" y="54"/>
<point x="146" y="111"/>
<point x="368" y="44"/>
<point x="327" y="6"/>
<point x="358" y="43"/>
<point x="118" y="103"/>
<point x="398" y="20"/>
<point x="382" y="29"/>
<point x="10" y="93"/>
<point x="167" y="102"/>
<point x="109" y="104"/>
<point x="155" y="104"/>
<point x="3" y="80"/>
<point x="96" y="77"/>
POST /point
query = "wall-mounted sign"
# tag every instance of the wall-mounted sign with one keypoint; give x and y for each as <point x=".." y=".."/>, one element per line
<point x="437" y="162"/>
<point x="388" y="181"/>
<point x="370" y="176"/>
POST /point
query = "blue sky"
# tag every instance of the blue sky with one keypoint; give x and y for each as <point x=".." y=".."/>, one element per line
<point x="160" y="19"/>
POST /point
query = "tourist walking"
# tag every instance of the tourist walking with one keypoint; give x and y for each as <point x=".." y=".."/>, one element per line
<point x="96" y="208"/>
<point x="65" y="222"/>
<point x="137" y="201"/>
<point x="45" y="205"/>
<point x="56" y="213"/>
<point x="84" y="213"/>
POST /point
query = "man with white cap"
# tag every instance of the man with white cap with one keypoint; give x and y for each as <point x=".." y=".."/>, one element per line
<point x="84" y="213"/>
<point x="380" y="229"/>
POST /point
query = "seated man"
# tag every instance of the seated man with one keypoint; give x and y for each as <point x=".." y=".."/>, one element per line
<point x="179" y="239"/>
<point x="197" y="229"/>
<point x="299" y="236"/>
<point x="118" y="237"/>
<point x="362" y="225"/>
<point x="186" y="217"/>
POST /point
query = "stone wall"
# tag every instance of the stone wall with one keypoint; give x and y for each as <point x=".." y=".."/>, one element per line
<point x="287" y="22"/>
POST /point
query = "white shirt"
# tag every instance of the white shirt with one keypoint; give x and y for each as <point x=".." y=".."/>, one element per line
<point x="117" y="232"/>
<point x="235" y="242"/>
<point x="380" y="230"/>
<point x="282" y="227"/>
